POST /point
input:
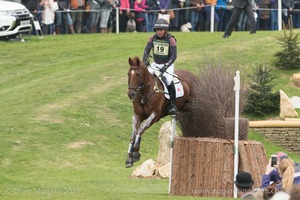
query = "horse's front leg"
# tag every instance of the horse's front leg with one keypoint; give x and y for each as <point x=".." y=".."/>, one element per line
<point x="135" y="124"/>
<point x="136" y="147"/>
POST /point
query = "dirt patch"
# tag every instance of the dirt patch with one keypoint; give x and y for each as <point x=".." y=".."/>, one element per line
<point x="46" y="113"/>
<point x="79" y="144"/>
<point x="296" y="80"/>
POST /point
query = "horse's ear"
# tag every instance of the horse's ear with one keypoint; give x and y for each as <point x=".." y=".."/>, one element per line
<point x="138" y="62"/>
<point x="130" y="61"/>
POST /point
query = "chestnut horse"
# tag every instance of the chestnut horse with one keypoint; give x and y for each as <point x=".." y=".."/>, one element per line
<point x="149" y="102"/>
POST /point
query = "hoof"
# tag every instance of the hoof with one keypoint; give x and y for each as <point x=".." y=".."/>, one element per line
<point x="136" y="156"/>
<point x="129" y="163"/>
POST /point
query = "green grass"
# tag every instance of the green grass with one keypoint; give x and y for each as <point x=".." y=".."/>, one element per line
<point x="66" y="118"/>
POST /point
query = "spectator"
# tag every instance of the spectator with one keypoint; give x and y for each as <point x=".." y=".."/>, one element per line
<point x="184" y="12"/>
<point x="287" y="8"/>
<point x="200" y="24"/>
<point x="139" y="16"/>
<point x="274" y="15"/>
<point x="47" y="16"/>
<point x="287" y="171"/>
<point x="207" y="9"/>
<point x="228" y="13"/>
<point x="241" y="25"/>
<point x="104" y="14"/>
<point x="221" y="11"/>
<point x="269" y="192"/>
<point x="174" y="23"/>
<point x="152" y="14"/>
<point x="296" y="14"/>
<point x="257" y="12"/>
<point x="33" y="7"/>
<point x="94" y="15"/>
<point x="64" y="21"/>
<point x="244" y="183"/>
<point x="77" y="7"/>
<point x="295" y="192"/>
<point x="124" y="13"/>
<point x="239" y="6"/>
<point x="163" y="6"/>
<point x="272" y="193"/>
<point x="146" y="21"/>
<point x="85" y="26"/>
<point x="264" y="14"/>
<point x="194" y="12"/>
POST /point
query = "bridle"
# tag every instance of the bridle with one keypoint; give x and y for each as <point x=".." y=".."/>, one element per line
<point x="137" y="90"/>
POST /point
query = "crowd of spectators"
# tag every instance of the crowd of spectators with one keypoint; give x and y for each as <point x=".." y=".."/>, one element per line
<point x="281" y="181"/>
<point x="99" y="16"/>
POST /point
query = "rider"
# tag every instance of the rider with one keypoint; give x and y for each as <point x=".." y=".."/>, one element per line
<point x="164" y="49"/>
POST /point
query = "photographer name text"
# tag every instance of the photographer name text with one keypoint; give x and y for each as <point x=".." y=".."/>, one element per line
<point x="46" y="191"/>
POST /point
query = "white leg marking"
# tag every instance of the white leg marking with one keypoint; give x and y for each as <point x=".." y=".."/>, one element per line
<point x="134" y="123"/>
<point x="146" y="124"/>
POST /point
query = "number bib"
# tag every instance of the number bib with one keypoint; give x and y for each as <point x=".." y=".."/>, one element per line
<point x="160" y="48"/>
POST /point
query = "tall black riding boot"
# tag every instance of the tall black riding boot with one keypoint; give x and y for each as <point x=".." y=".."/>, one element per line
<point x="172" y="93"/>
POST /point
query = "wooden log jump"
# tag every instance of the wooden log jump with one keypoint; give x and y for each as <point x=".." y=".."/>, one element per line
<point x="204" y="166"/>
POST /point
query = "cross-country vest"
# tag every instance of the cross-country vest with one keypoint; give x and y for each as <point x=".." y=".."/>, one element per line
<point x="161" y="48"/>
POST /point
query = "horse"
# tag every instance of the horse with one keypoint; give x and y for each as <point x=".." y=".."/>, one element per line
<point x="149" y="102"/>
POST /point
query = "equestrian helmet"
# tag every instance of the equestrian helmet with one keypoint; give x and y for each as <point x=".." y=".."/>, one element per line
<point x="161" y="24"/>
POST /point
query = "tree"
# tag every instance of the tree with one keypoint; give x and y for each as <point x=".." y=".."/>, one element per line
<point x="260" y="98"/>
<point x="289" y="56"/>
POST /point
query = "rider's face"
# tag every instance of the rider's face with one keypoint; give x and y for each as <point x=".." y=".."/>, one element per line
<point x="160" y="32"/>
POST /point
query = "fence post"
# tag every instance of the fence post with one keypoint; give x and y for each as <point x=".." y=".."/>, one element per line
<point x="279" y="15"/>
<point x="171" y="151"/>
<point x="212" y="18"/>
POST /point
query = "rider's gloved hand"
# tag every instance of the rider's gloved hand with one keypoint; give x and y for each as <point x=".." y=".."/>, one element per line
<point x="146" y="63"/>
<point x="164" y="68"/>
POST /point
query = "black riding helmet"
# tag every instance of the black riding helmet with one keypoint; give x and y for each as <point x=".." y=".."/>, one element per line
<point x="161" y="24"/>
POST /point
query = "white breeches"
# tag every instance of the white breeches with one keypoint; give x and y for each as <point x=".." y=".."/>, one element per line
<point x="170" y="71"/>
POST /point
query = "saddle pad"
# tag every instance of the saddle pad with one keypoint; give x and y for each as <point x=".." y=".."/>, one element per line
<point x="178" y="88"/>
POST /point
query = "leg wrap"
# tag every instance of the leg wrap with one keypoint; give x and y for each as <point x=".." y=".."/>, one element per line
<point x="130" y="148"/>
<point x="137" y="142"/>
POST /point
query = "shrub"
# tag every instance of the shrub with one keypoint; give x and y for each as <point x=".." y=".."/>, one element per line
<point x="212" y="107"/>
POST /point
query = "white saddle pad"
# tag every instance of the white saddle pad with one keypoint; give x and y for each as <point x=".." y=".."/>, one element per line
<point x="178" y="87"/>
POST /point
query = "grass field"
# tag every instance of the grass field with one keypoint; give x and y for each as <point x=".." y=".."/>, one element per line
<point x="66" y="118"/>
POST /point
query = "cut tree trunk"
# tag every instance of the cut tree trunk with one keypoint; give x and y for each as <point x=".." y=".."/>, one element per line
<point x="205" y="166"/>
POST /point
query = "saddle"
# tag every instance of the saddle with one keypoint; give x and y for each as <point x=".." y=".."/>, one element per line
<point x="178" y="86"/>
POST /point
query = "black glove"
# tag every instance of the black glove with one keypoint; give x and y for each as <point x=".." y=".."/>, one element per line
<point x="164" y="68"/>
<point x="147" y="63"/>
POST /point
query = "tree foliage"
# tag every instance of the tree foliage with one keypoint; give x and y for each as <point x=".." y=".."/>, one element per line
<point x="260" y="98"/>
<point x="289" y="56"/>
